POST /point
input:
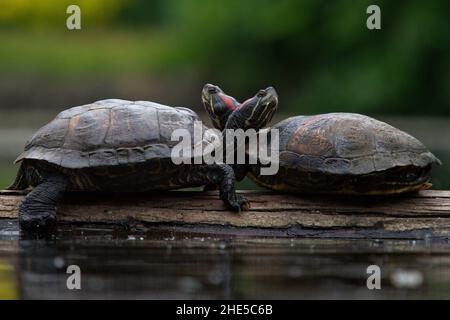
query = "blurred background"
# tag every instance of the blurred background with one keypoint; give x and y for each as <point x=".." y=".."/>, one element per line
<point x="318" y="54"/>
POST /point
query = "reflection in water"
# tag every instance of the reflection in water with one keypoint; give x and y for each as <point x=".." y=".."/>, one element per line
<point x="155" y="264"/>
<point x="8" y="260"/>
<point x="125" y="266"/>
<point x="8" y="288"/>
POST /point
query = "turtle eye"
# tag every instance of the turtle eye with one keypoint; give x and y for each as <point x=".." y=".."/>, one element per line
<point x="212" y="89"/>
<point x="261" y="93"/>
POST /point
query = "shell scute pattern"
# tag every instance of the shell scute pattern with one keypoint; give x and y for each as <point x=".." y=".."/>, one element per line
<point x="108" y="133"/>
<point x="352" y="139"/>
<point x="343" y="143"/>
<point x="87" y="131"/>
<point x="311" y="138"/>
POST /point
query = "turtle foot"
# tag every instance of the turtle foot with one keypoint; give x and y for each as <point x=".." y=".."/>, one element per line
<point x="36" y="222"/>
<point x="237" y="203"/>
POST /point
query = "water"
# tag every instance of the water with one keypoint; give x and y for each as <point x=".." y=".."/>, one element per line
<point x="166" y="264"/>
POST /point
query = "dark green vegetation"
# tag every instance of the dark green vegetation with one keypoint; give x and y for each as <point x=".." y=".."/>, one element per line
<point x="319" y="55"/>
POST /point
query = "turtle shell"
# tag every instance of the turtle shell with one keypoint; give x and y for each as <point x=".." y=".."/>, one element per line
<point x="347" y="143"/>
<point x="108" y="133"/>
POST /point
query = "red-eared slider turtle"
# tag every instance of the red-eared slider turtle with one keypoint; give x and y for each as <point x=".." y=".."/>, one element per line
<point x="345" y="153"/>
<point x="226" y="113"/>
<point x="220" y="108"/>
<point x="115" y="146"/>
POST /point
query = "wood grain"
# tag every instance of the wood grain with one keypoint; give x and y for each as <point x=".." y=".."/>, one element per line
<point x="424" y="213"/>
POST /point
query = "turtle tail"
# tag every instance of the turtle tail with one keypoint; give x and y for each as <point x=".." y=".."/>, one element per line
<point x="437" y="161"/>
<point x="20" y="183"/>
<point x="433" y="159"/>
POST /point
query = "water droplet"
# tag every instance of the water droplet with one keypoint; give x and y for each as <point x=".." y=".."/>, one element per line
<point x="215" y="277"/>
<point x="58" y="262"/>
<point x="189" y="284"/>
<point x="295" y="272"/>
<point x="408" y="279"/>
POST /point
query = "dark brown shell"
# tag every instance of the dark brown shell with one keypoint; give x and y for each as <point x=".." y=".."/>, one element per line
<point x="347" y="143"/>
<point x="107" y="133"/>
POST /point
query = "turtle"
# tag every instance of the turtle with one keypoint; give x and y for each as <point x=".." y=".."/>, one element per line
<point x="116" y="145"/>
<point x="342" y="153"/>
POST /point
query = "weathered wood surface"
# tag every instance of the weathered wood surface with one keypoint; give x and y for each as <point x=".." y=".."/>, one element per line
<point x="408" y="216"/>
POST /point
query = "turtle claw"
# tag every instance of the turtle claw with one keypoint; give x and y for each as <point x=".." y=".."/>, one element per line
<point x="244" y="204"/>
<point x="237" y="203"/>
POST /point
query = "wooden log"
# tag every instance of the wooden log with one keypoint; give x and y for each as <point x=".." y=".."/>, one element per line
<point x="418" y="215"/>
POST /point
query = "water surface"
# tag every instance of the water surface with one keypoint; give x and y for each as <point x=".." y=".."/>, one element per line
<point x="168" y="264"/>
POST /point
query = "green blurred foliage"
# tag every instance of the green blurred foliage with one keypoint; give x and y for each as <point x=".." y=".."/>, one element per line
<point x="321" y="56"/>
<point x="318" y="54"/>
<point x="44" y="14"/>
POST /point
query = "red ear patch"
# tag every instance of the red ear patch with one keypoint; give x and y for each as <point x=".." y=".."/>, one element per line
<point x="229" y="103"/>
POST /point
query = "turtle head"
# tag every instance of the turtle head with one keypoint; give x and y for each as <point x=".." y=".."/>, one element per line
<point x="218" y="105"/>
<point x="256" y="112"/>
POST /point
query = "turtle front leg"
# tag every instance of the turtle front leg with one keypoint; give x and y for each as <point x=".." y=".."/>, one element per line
<point x="240" y="172"/>
<point x="222" y="175"/>
<point x="38" y="210"/>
